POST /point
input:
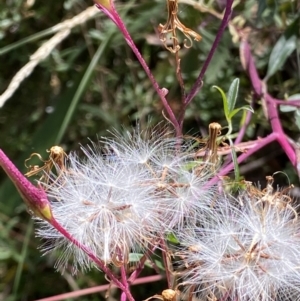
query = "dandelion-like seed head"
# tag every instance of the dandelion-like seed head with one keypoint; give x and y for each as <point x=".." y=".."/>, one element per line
<point x="245" y="251"/>
<point x="103" y="205"/>
<point x="187" y="198"/>
<point x="123" y="197"/>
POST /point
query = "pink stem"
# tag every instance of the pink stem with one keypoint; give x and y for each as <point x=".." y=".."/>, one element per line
<point x="124" y="281"/>
<point x="115" y="17"/>
<point x="260" y="144"/>
<point x="97" y="289"/>
<point x="241" y="134"/>
<point x="198" y="82"/>
<point x="242" y="131"/>
<point x="292" y="103"/>
<point x="260" y="89"/>
<point x="277" y="128"/>
<point x="94" y="258"/>
<point x="37" y="200"/>
<point x="141" y="265"/>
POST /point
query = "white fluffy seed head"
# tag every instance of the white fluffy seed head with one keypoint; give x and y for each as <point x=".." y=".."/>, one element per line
<point x="246" y="253"/>
<point x="123" y="197"/>
<point x="104" y="206"/>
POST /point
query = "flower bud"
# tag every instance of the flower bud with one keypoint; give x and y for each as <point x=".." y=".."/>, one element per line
<point x="35" y="198"/>
<point x="104" y="3"/>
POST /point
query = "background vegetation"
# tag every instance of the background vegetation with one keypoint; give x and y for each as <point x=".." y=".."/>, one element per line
<point x="91" y="82"/>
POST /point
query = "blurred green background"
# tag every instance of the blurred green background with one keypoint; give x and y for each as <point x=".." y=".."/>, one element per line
<point x="91" y="83"/>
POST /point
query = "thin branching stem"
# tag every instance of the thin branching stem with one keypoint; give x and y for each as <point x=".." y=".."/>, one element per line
<point x="260" y="89"/>
<point x="113" y="14"/>
<point x="198" y="83"/>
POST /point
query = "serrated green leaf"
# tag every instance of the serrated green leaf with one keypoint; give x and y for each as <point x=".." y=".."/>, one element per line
<point x="232" y="94"/>
<point x="286" y="44"/>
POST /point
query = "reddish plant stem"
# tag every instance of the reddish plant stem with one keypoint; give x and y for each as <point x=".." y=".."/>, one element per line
<point x="225" y="170"/>
<point x="260" y="90"/>
<point x="37" y="200"/>
<point x="166" y="262"/>
<point x="198" y="83"/>
<point x="277" y="128"/>
<point x="141" y="264"/>
<point x="115" y="17"/>
<point x="124" y="281"/>
<point x="292" y="103"/>
<point x="96" y="289"/>
<point x="241" y="133"/>
<point x="243" y="129"/>
<point x="94" y="258"/>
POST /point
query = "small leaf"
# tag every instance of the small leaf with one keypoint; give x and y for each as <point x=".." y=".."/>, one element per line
<point x="134" y="257"/>
<point x="158" y="263"/>
<point x="286" y="44"/>
<point x="286" y="108"/>
<point x="225" y="103"/>
<point x="5" y="253"/>
<point x="234" y="112"/>
<point x="232" y="94"/>
<point x="172" y="238"/>
<point x="262" y="5"/>
<point x="297" y="118"/>
<point x="290" y="108"/>
<point x="294" y="97"/>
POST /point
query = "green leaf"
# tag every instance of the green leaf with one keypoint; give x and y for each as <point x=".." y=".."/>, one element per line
<point x="286" y="44"/>
<point x="83" y="86"/>
<point x="297" y="118"/>
<point x="290" y="108"/>
<point x="294" y="97"/>
<point x="172" y="238"/>
<point x="134" y="257"/>
<point x="225" y="103"/>
<point x="5" y="253"/>
<point x="26" y="40"/>
<point x="232" y="94"/>
<point x="262" y="5"/>
<point x="287" y="108"/>
<point x="234" y="112"/>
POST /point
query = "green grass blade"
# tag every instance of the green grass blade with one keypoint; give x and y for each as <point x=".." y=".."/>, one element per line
<point x="83" y="86"/>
